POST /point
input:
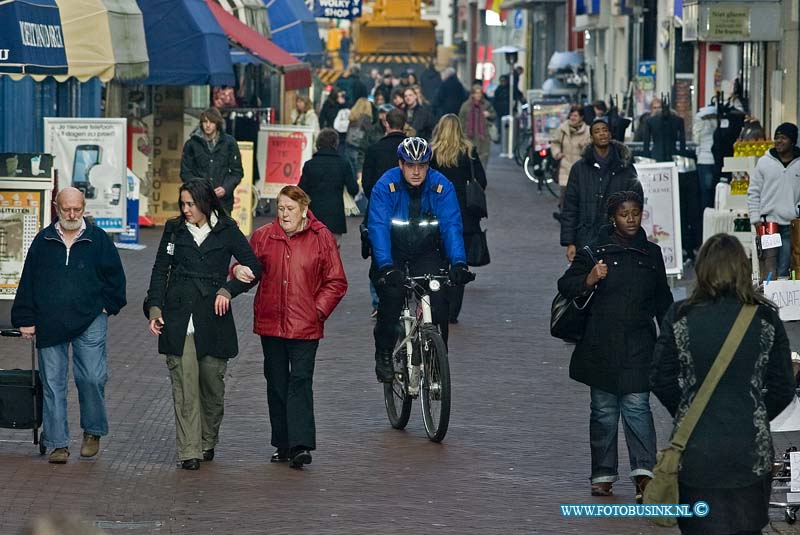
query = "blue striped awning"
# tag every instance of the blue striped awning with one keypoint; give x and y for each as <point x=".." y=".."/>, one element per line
<point x="294" y="29"/>
<point x="31" y="38"/>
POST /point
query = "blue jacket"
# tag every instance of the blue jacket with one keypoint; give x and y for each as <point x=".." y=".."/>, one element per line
<point x="62" y="296"/>
<point x="390" y="200"/>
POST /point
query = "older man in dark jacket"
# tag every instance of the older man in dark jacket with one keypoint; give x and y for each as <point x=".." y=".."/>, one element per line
<point x="71" y="283"/>
<point x="605" y="168"/>
<point x="211" y="153"/>
<point x="450" y="95"/>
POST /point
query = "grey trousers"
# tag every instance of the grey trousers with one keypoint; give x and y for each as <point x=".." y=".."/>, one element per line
<point x="198" y="394"/>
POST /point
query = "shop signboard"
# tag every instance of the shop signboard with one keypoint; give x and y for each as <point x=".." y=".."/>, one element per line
<point x="26" y="185"/>
<point x="131" y="232"/>
<point x="337" y="9"/>
<point x="283" y="152"/>
<point x="661" y="216"/>
<point x="90" y="155"/>
<point x="785" y="294"/>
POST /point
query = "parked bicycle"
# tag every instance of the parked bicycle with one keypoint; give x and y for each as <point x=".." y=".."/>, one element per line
<point x="542" y="169"/>
<point x="420" y="362"/>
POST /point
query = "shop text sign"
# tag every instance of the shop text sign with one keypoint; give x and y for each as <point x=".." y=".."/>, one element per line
<point x="661" y="216"/>
<point x="284" y="155"/>
<point x="728" y="22"/>
<point x="337" y="9"/>
<point x="282" y="150"/>
<point x="785" y="294"/>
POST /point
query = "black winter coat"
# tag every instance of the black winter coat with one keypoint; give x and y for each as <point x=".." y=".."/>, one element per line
<point x="616" y="350"/>
<point x="731" y="446"/>
<point x="584" y="208"/>
<point x="500" y="100"/>
<point x="664" y="130"/>
<point x="379" y="158"/>
<point x="328" y="113"/>
<point x="197" y="275"/>
<point x="223" y="164"/>
<point x="450" y="96"/>
<point x="421" y="119"/>
<point x="325" y="177"/>
<point x="459" y="175"/>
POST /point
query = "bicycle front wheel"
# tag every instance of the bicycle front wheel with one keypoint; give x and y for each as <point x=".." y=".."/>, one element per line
<point x="435" y="391"/>
<point x="395" y="394"/>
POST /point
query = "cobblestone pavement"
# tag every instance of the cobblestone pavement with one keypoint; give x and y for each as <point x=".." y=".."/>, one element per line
<point x="517" y="445"/>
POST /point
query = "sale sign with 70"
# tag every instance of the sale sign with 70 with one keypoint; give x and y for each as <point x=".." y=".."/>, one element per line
<point x="284" y="160"/>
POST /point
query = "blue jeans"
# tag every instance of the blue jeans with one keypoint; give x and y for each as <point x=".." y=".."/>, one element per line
<point x="785" y="256"/>
<point x="705" y="175"/>
<point x="374" y="294"/>
<point x="90" y="371"/>
<point x="640" y="434"/>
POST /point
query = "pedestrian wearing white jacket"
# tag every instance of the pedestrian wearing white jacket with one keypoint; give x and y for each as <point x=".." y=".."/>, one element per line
<point x="303" y="115"/>
<point x="775" y="189"/>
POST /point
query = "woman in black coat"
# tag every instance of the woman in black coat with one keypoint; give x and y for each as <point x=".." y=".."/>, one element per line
<point x="456" y="158"/>
<point x="188" y="305"/>
<point x="625" y="276"/>
<point x="331" y="107"/>
<point x="727" y="462"/>
<point x="325" y="177"/>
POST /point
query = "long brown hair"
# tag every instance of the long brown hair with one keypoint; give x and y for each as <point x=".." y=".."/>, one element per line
<point x="723" y="269"/>
<point x="448" y="142"/>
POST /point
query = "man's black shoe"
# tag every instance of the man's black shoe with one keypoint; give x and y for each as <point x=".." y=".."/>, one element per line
<point x="300" y="458"/>
<point x="208" y="455"/>
<point x="280" y="456"/>
<point x="191" y="464"/>
<point x="383" y="366"/>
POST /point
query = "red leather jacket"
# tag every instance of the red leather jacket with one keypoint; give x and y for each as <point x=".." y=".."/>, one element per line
<point x="302" y="282"/>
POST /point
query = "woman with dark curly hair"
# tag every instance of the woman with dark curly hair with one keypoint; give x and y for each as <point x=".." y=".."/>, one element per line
<point x="624" y="278"/>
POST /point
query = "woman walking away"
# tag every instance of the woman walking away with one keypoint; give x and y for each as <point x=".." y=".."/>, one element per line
<point x="624" y="278"/>
<point x="188" y="305"/>
<point x="325" y="177"/>
<point x="454" y="156"/>
<point x="304" y="281"/>
<point x="359" y="133"/>
<point x="330" y="108"/>
<point x="476" y="114"/>
<point x="727" y="462"/>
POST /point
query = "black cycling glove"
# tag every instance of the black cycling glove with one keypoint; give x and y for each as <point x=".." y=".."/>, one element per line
<point x="460" y="274"/>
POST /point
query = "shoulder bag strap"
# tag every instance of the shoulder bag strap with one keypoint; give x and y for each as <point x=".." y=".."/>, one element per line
<point x="690" y="419"/>
<point x="471" y="167"/>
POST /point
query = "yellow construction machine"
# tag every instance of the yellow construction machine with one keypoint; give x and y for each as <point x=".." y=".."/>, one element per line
<point x="394" y="33"/>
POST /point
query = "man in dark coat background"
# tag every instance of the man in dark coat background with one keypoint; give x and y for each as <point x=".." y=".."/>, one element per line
<point x="606" y="167"/>
<point x="325" y="177"/>
<point x="451" y="94"/>
<point x="430" y="80"/>
<point x="211" y="153"/>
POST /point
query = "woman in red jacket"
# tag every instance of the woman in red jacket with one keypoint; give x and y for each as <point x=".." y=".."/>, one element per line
<point x="302" y="282"/>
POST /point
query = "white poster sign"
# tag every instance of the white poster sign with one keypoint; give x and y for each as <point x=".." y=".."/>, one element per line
<point x="785" y="294"/>
<point x="90" y="154"/>
<point x="282" y="151"/>
<point x="661" y="216"/>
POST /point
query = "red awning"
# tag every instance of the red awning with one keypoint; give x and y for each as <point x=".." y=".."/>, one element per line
<point x="296" y="74"/>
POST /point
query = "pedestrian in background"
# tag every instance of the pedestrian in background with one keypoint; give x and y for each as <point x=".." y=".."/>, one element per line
<point x="358" y="133"/>
<point x="624" y="279"/>
<point x="703" y="128"/>
<point x="774" y="190"/>
<point x="386" y="87"/>
<point x="325" y="178"/>
<point x="418" y="116"/>
<point x="727" y="462"/>
<point x="476" y="114"/>
<point x="605" y="167"/>
<point x="569" y="142"/>
<point x="303" y="283"/>
<point x="430" y="79"/>
<point x="455" y="157"/>
<point x="500" y="101"/>
<point x="450" y="95"/>
<point x="303" y="115"/>
<point x="71" y="282"/>
<point x="330" y="108"/>
<point x="397" y="99"/>
<point x="188" y="305"/>
<point x="212" y="154"/>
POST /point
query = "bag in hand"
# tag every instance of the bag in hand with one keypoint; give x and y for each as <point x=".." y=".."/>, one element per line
<point x="568" y="317"/>
<point x="475" y="196"/>
<point x="478" y="250"/>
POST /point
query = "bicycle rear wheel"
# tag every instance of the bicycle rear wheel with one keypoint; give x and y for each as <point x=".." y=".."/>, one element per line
<point x="521" y="148"/>
<point x="435" y="391"/>
<point x="395" y="395"/>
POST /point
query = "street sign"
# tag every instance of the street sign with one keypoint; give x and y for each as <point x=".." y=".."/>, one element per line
<point x="518" y="19"/>
<point x="647" y="69"/>
<point x="337" y="9"/>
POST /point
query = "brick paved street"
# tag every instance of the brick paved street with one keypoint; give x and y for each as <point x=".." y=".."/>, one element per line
<point x="517" y="445"/>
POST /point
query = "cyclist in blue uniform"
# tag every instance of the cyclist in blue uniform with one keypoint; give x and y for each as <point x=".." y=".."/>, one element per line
<point x="414" y="220"/>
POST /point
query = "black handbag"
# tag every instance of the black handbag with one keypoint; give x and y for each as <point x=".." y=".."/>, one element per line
<point x="568" y="316"/>
<point x="478" y="250"/>
<point x="475" y="196"/>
